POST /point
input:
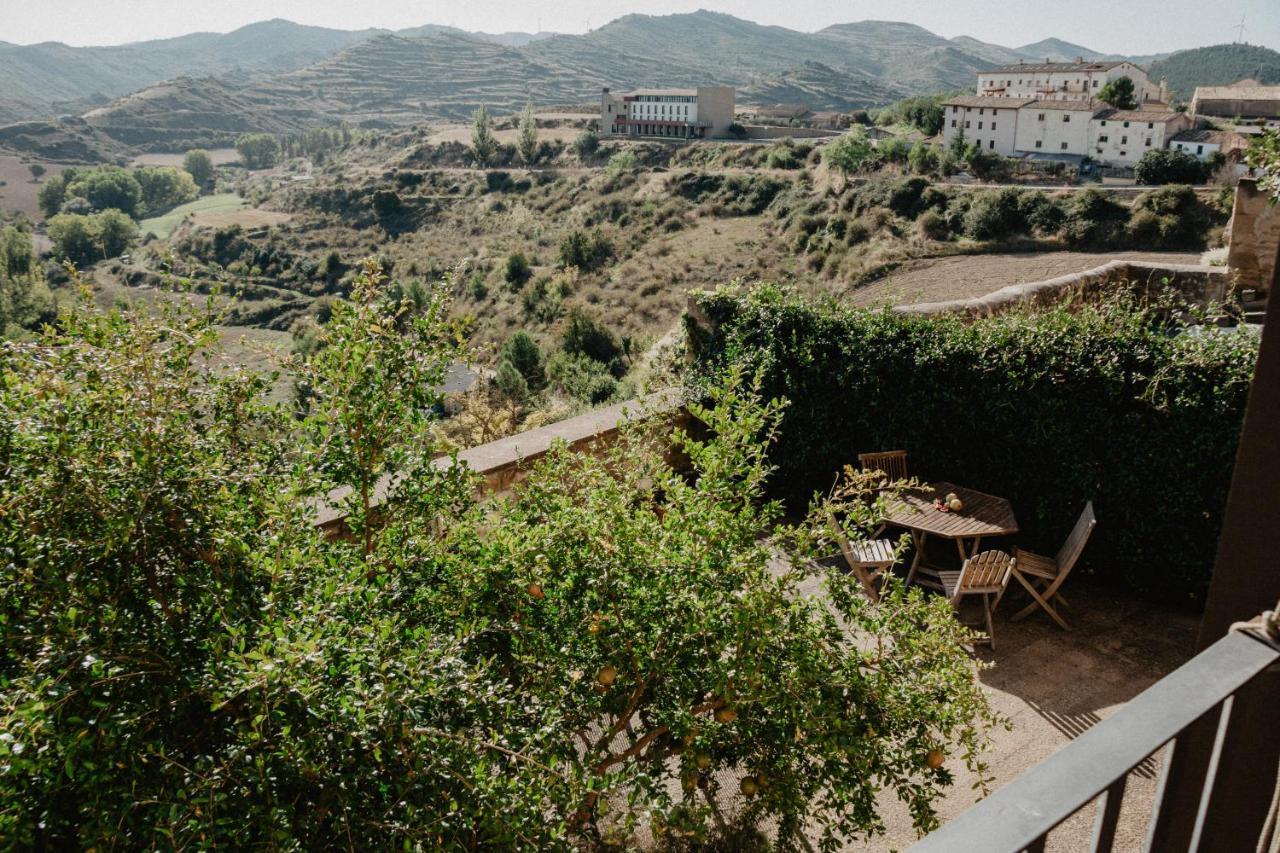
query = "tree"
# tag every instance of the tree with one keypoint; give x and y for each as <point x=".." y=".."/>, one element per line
<point x="199" y="166"/>
<point x="851" y="153"/>
<point x="924" y="112"/>
<point x="52" y="195"/>
<point x="484" y="146"/>
<point x="516" y="271"/>
<point x="387" y="204"/>
<point x="523" y="353"/>
<point x="25" y="300"/>
<point x="1119" y="93"/>
<point x="37" y="171"/>
<point x="1168" y="166"/>
<point x="527" y="138"/>
<point x="587" y="143"/>
<point x="107" y="188"/>
<point x="115" y="232"/>
<point x="188" y="663"/>
<point x="585" y="335"/>
<point x="258" y="150"/>
<point x="164" y="187"/>
<point x="510" y="382"/>
<point x="86" y="238"/>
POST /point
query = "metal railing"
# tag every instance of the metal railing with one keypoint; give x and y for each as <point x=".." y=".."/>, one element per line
<point x="1237" y="678"/>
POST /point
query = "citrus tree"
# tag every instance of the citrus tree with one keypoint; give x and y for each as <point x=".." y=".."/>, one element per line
<point x="620" y="646"/>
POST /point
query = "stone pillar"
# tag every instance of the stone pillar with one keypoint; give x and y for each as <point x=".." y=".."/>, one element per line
<point x="1255" y="236"/>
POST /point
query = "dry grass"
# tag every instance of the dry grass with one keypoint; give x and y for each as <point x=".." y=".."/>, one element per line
<point x="18" y="194"/>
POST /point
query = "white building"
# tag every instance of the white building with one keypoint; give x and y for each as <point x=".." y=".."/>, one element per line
<point x="668" y="113"/>
<point x="1204" y="143"/>
<point x="1066" y="81"/>
<point x="1056" y="128"/>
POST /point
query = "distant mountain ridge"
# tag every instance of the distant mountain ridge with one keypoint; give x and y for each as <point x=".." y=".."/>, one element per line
<point x="280" y="77"/>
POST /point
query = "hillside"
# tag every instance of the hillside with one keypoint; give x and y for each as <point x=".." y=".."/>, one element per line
<point x="1218" y="65"/>
<point x="1058" y="50"/>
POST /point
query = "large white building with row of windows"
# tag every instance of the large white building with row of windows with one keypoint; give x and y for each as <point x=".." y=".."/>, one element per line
<point x="1051" y="110"/>
<point x="706" y="111"/>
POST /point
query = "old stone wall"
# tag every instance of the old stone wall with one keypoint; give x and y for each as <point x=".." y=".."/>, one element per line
<point x="1255" y="236"/>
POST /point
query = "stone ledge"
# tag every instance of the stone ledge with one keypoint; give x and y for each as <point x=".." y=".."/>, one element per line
<point x="502" y="463"/>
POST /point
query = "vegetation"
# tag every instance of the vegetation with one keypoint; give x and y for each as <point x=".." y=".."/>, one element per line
<point x="923" y="112"/>
<point x="199" y="165"/>
<point x="484" y="147"/>
<point x="587" y="143"/>
<point x="25" y="301"/>
<point x="258" y="150"/>
<point x="527" y="135"/>
<point x="1264" y="156"/>
<point x="85" y="239"/>
<point x="1218" y="65"/>
<point x="1119" y="93"/>
<point x="164" y="187"/>
<point x="1112" y="403"/>
<point x="851" y="153"/>
<point x="187" y="661"/>
<point x="1168" y="166"/>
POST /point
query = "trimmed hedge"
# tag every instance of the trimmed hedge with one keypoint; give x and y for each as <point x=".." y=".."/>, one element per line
<point x="1111" y="403"/>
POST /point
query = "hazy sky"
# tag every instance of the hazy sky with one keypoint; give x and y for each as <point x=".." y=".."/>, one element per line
<point x="1113" y="26"/>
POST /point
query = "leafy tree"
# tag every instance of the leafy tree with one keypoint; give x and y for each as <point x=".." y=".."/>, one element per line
<point x="517" y="271"/>
<point x="587" y="143"/>
<point x="582" y="378"/>
<point x="387" y="204"/>
<point x="1168" y="166"/>
<point x="1263" y="156"/>
<point x="1119" y="93"/>
<point x="52" y="195"/>
<point x="510" y="382"/>
<point x="623" y="161"/>
<point x="164" y="187"/>
<point x="923" y="159"/>
<point x="851" y="153"/>
<point x="107" y="188"/>
<point x="84" y="239"/>
<point x="522" y="352"/>
<point x="258" y="150"/>
<point x="527" y="135"/>
<point x="585" y="335"/>
<point x="25" y="300"/>
<point x="37" y="171"/>
<point x="924" y="112"/>
<point x="484" y="146"/>
<point x="199" y="165"/>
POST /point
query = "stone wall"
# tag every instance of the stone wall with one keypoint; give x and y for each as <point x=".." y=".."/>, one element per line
<point x="1255" y="236"/>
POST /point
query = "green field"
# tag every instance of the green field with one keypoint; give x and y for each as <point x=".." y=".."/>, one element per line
<point x="163" y="226"/>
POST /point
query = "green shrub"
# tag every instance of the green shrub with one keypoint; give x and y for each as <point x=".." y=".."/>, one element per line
<point x="517" y="270"/>
<point x="906" y="196"/>
<point x="1048" y="410"/>
<point x="582" y="378"/>
<point x="932" y="226"/>
<point x="583" y="250"/>
<point x="995" y="215"/>
<point x="1094" y="220"/>
<point x="1169" y="166"/>
<point x="523" y="353"/>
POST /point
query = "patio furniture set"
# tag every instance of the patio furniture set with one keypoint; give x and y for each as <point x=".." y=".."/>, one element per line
<point x="946" y="511"/>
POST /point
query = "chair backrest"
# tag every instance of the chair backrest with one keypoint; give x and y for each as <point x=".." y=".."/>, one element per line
<point x="859" y="570"/>
<point x="987" y="570"/>
<point x="892" y="462"/>
<point x="1072" y="548"/>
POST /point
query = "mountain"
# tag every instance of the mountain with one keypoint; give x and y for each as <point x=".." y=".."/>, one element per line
<point x="1057" y="50"/>
<point x="1218" y="65"/>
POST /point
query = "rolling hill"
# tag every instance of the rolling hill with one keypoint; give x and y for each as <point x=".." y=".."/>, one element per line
<point x="1218" y="65"/>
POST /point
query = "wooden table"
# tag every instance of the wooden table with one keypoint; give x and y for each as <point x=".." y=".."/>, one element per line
<point x="983" y="515"/>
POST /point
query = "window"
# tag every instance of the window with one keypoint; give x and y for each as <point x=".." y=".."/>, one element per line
<point x="979" y="125"/>
<point x="953" y="122"/>
<point x="1064" y="146"/>
<point x="1151" y="125"/>
<point x="981" y="111"/>
<point x="1126" y="124"/>
<point x="1040" y="117"/>
<point x="1095" y="84"/>
<point x="1147" y="142"/>
<point x="966" y="124"/>
<point x="1104" y="122"/>
<point x="1066" y="116"/>
<point x="955" y="109"/>
<point x="1199" y="149"/>
<point x="993" y="125"/>
<point x="1124" y="140"/>
<point x="991" y="144"/>
<point x="1103" y="138"/>
<point x="1124" y="153"/>
<point x="1039" y="143"/>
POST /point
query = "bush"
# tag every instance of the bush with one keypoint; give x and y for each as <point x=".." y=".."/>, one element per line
<point x="583" y="250"/>
<point x="1093" y="220"/>
<point x="585" y="335"/>
<point x="1169" y="166"/>
<point x="582" y="378"/>
<point x="932" y="226"/>
<point x="517" y="271"/>
<point x="85" y="239"/>
<point x="623" y="161"/>
<point x="1084" y="403"/>
<point x="587" y="143"/>
<point x="995" y="215"/>
<point x="522" y="352"/>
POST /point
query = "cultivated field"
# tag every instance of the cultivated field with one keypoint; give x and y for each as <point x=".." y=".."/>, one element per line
<point x="213" y="211"/>
<point x="221" y="157"/>
<point x="18" y="193"/>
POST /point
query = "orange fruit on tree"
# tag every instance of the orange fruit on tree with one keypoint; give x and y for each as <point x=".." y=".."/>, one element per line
<point x="935" y="758"/>
<point x="607" y="675"/>
<point x="726" y="715"/>
<point x="535" y="591"/>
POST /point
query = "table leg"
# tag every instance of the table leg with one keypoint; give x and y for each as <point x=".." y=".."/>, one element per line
<point x="977" y="543"/>
<point x="960" y="547"/>
<point x="918" y="538"/>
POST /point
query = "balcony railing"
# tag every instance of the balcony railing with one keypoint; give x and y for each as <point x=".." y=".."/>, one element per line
<point x="1236" y="679"/>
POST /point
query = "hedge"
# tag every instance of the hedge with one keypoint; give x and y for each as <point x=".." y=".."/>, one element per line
<point x="1114" y="403"/>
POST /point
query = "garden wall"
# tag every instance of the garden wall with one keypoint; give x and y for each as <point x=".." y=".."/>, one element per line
<point x="1255" y="236"/>
<point x="1049" y="409"/>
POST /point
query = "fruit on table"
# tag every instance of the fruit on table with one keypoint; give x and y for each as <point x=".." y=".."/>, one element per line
<point x="955" y="504"/>
<point x="951" y="496"/>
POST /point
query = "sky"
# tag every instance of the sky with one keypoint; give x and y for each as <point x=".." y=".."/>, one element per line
<point x="1130" y="27"/>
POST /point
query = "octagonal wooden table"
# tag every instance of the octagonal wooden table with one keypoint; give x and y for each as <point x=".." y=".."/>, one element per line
<point x="982" y="516"/>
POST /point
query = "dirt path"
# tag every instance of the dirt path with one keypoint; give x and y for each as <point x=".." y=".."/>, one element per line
<point x="967" y="276"/>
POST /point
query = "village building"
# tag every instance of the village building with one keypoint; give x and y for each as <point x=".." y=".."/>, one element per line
<point x="706" y="111"/>
<point x="1121" y="137"/>
<point x="1245" y="100"/>
<point x="1205" y="142"/>
<point x="1067" y="81"/>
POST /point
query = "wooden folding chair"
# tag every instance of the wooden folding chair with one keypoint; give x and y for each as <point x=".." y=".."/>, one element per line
<point x="1043" y="576"/>
<point x="985" y="574"/>
<point x="869" y="560"/>
<point x="892" y="462"/>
